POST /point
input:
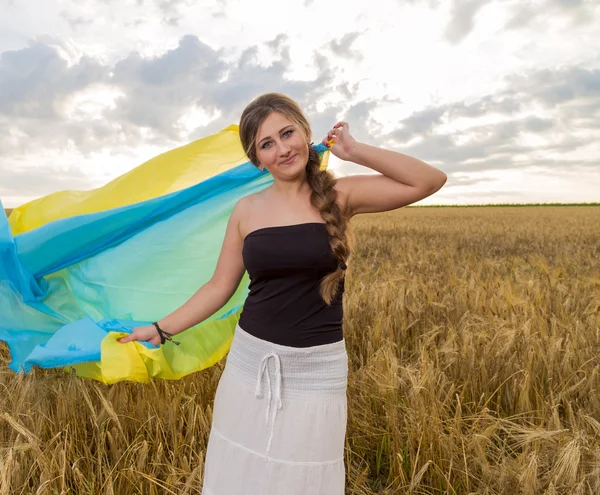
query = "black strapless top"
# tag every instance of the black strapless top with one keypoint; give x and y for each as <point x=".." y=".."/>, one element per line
<point x="286" y="265"/>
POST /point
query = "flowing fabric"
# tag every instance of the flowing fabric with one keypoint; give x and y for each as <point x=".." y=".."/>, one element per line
<point x="80" y="269"/>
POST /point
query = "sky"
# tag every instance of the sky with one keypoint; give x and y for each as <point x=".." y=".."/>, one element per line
<point x="503" y="96"/>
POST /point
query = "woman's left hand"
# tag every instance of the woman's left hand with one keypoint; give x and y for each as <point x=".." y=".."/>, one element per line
<point x="344" y="143"/>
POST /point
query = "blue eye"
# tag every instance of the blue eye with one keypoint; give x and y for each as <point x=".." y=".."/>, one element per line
<point x="285" y="134"/>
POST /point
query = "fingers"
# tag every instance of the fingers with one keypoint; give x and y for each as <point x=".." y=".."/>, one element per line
<point x="128" y="338"/>
<point x="328" y="140"/>
<point x="334" y="134"/>
<point x="337" y="129"/>
<point x="331" y="135"/>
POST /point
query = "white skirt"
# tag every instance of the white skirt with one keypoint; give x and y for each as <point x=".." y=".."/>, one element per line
<point x="279" y="420"/>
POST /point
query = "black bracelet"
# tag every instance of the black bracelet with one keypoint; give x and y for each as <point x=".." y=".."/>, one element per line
<point x="164" y="336"/>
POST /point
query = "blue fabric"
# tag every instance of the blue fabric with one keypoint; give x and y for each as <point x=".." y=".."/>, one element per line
<point x="64" y="284"/>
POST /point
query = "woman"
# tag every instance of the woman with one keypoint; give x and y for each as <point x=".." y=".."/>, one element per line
<point x="292" y="238"/>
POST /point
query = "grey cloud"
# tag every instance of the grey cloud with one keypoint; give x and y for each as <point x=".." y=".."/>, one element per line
<point x="432" y="4"/>
<point x="583" y="114"/>
<point x="521" y="17"/>
<point x="424" y="122"/>
<point x="535" y="124"/>
<point x="171" y="21"/>
<point x="170" y="10"/>
<point x="456" y="181"/>
<point x="418" y="123"/>
<point x="279" y="43"/>
<point x="489" y="104"/>
<point x="43" y="180"/>
<point x="247" y="80"/>
<point x="362" y="125"/>
<point x="34" y="80"/>
<point x="570" y="95"/>
<point x="487" y="197"/>
<point x="358" y="115"/>
<point x="553" y="87"/>
<point x="156" y="92"/>
<point x="191" y="59"/>
<point x="528" y="15"/>
<point x="463" y="12"/>
<point x="345" y="90"/>
<point x="76" y="22"/>
<point x="322" y="122"/>
<point x="462" y="19"/>
<point x="489" y="147"/>
<point x="343" y="46"/>
<point x="168" y="7"/>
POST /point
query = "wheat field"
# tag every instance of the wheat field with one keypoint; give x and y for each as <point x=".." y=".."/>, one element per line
<point x="473" y="336"/>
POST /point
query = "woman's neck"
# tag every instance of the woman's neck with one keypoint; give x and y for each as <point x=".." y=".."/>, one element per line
<point x="290" y="191"/>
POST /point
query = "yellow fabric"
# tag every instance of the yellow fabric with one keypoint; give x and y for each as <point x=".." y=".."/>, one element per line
<point x="201" y="346"/>
<point x="166" y="173"/>
<point x="325" y="159"/>
<point x="135" y="362"/>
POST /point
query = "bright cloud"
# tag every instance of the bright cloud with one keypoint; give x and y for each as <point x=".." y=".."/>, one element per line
<point x="502" y="98"/>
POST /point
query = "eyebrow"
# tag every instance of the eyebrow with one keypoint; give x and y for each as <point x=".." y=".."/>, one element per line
<point x="280" y="131"/>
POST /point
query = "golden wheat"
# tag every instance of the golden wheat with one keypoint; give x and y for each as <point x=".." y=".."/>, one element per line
<point x="473" y="336"/>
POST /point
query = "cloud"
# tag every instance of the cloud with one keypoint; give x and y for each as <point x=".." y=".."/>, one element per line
<point x="462" y="22"/>
<point x="15" y="179"/>
<point x="526" y="15"/>
<point x="149" y="94"/>
<point x="76" y="21"/>
<point x="74" y="104"/>
<point x="419" y="123"/>
<point x="35" y="80"/>
<point x="493" y="146"/>
<point x="553" y="87"/>
<point x="53" y="97"/>
<point x="527" y="123"/>
<point x="157" y="91"/>
<point x="432" y="4"/>
<point x="343" y="47"/>
<point x="486" y="105"/>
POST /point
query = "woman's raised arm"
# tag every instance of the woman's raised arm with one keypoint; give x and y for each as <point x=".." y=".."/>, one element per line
<point x="402" y="179"/>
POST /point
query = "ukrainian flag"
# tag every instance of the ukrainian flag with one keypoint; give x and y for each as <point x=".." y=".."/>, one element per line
<point x="80" y="269"/>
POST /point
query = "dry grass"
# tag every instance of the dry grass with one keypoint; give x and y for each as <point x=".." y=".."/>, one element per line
<point x="473" y="335"/>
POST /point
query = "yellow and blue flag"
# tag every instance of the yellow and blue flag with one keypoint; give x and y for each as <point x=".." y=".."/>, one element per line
<point x="79" y="269"/>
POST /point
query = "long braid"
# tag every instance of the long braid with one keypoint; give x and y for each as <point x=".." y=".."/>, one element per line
<point x="323" y="197"/>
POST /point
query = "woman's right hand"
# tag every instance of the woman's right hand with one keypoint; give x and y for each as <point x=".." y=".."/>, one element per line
<point x="146" y="333"/>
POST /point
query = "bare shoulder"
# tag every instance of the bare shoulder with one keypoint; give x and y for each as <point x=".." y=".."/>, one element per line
<point x="243" y="211"/>
<point x="241" y="208"/>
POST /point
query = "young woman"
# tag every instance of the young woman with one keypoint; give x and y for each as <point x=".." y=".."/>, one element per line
<point x="292" y="238"/>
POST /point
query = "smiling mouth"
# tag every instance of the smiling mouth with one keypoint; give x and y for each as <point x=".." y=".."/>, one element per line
<point x="289" y="160"/>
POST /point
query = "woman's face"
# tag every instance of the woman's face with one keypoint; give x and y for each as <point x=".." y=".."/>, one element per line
<point x="281" y="147"/>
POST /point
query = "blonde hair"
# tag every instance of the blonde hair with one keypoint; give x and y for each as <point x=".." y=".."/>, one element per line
<point x="323" y="194"/>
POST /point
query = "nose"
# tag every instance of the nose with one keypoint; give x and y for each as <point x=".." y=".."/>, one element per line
<point x="284" y="149"/>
